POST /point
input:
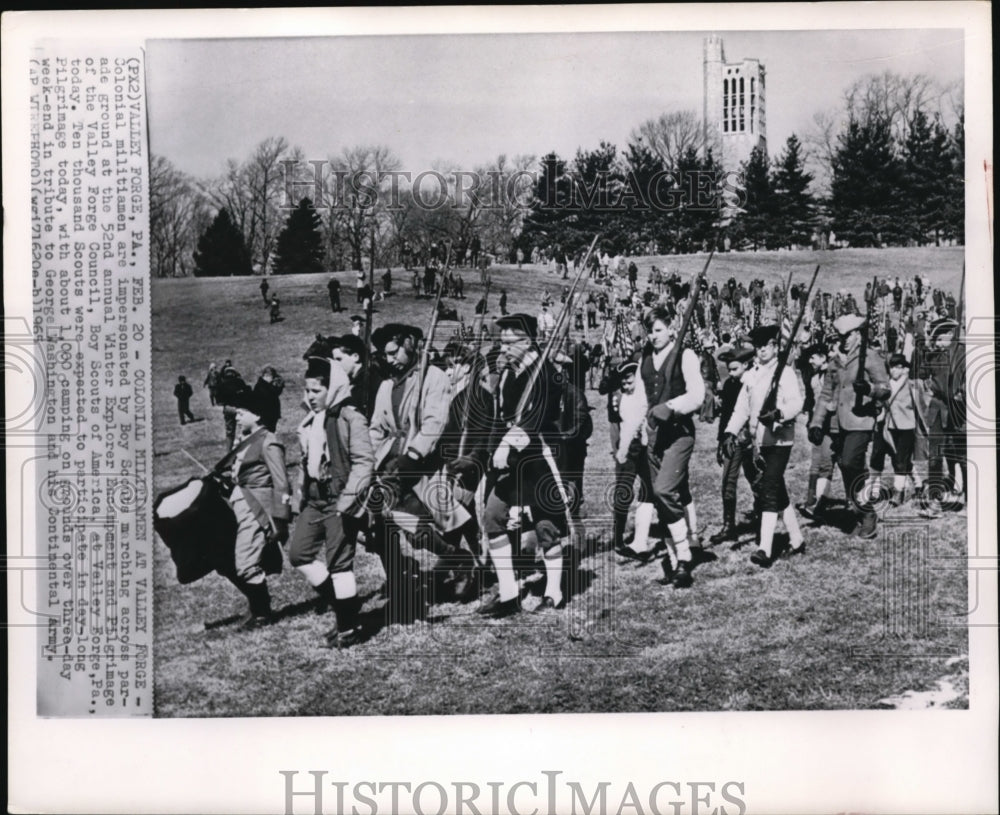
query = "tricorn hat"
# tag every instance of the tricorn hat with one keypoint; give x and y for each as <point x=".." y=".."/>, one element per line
<point x="524" y="323"/>
<point x="763" y="334"/>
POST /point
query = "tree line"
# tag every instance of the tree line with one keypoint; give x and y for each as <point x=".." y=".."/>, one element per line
<point x="885" y="169"/>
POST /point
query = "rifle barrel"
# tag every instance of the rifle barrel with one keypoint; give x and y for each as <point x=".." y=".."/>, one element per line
<point x="479" y="348"/>
<point x="772" y="393"/>
<point x="550" y="342"/>
<point x="675" y="352"/>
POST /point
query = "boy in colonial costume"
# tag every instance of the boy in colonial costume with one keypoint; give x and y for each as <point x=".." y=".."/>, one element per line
<point x="738" y="363"/>
<point x="773" y="432"/>
<point x="261" y="502"/>
<point x="410" y="416"/>
<point x="630" y="461"/>
<point x="672" y="396"/>
<point x="336" y="473"/>
<point x="854" y="396"/>
<point x="896" y="432"/>
<point x="526" y="506"/>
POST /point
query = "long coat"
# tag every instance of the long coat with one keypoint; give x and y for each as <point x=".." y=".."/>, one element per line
<point x="531" y="479"/>
<point x="396" y="431"/>
<point x="838" y="393"/>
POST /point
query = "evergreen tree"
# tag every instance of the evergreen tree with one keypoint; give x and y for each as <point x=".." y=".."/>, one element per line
<point x="953" y="215"/>
<point x="707" y="210"/>
<point x="867" y="191"/>
<point x="756" y="224"/>
<point x="300" y="243"/>
<point x="546" y="222"/>
<point x="794" y="205"/>
<point x="597" y="185"/>
<point x="927" y="170"/>
<point x="644" y="209"/>
<point x="221" y="250"/>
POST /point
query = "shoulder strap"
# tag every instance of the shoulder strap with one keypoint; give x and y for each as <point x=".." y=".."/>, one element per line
<point x="227" y="460"/>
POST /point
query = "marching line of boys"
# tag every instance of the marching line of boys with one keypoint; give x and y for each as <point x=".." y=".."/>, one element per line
<point x="475" y="468"/>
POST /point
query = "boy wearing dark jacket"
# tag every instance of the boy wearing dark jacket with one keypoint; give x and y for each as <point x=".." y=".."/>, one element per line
<point x="337" y="464"/>
<point x="738" y="362"/>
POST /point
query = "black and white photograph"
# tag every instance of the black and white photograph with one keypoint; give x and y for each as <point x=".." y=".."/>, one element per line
<point x="479" y="273"/>
<point x="464" y="366"/>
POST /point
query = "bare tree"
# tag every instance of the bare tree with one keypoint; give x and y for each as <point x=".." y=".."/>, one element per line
<point x="889" y="96"/>
<point x="178" y="213"/>
<point x="254" y="192"/>
<point x="892" y="96"/>
<point x="506" y="196"/>
<point x="671" y="135"/>
<point x="820" y="143"/>
<point x="362" y="186"/>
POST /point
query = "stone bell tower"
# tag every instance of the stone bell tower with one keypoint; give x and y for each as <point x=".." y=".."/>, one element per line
<point x="733" y="114"/>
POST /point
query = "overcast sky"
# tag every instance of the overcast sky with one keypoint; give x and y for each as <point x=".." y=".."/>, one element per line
<point x="465" y="99"/>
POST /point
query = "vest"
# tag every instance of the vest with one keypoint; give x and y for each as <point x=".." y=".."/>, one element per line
<point x="659" y="390"/>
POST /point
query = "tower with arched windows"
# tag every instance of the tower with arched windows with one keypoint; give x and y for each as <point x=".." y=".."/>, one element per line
<point x="733" y="116"/>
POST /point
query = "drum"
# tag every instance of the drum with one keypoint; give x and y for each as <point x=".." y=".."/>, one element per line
<point x="199" y="528"/>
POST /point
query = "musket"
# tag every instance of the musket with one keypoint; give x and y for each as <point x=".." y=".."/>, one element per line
<point x="673" y="358"/>
<point x="784" y="298"/>
<point x="479" y="348"/>
<point x="203" y="467"/>
<point x="960" y="310"/>
<point x="369" y="308"/>
<point x="859" y="399"/>
<point x="536" y="372"/>
<point x="425" y="353"/>
<point x="368" y="358"/>
<point x="771" y="400"/>
<point x="551" y="341"/>
<point x="960" y="319"/>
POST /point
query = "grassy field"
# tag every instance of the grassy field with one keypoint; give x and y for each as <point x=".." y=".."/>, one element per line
<point x="820" y="632"/>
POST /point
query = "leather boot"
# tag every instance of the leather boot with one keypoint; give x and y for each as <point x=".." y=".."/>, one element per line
<point x="259" y="600"/>
<point x="461" y="564"/>
<point x="727" y="532"/>
<point x="348" y="631"/>
<point x="867" y="528"/>
<point x="325" y="597"/>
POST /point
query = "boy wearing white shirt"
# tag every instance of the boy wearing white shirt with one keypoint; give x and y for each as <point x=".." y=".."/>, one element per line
<point x="672" y="397"/>
<point x="773" y="431"/>
<point x="630" y="458"/>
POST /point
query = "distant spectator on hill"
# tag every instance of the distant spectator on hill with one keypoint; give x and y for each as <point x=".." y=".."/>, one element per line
<point x="183" y="393"/>
<point x="211" y="381"/>
<point x="333" y="287"/>
<point x="474" y="249"/>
